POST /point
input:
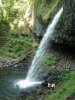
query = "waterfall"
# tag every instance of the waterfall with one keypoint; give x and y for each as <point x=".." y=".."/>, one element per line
<point x="35" y="67"/>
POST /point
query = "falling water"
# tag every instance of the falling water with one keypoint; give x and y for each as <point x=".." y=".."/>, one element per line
<point x="35" y="68"/>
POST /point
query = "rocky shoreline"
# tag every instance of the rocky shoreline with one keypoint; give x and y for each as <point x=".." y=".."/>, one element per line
<point x="22" y="62"/>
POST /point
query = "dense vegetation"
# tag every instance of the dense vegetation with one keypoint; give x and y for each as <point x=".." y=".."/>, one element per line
<point x="16" y="38"/>
<point x="51" y="59"/>
<point x="21" y="20"/>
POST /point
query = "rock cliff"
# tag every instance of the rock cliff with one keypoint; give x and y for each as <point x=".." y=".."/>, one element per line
<point x="65" y="30"/>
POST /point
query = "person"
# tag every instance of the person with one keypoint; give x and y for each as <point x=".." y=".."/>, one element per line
<point x="49" y="86"/>
<point x="53" y="86"/>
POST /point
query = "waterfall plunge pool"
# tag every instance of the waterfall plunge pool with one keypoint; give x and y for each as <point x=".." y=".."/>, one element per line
<point x="26" y="83"/>
<point x="9" y="90"/>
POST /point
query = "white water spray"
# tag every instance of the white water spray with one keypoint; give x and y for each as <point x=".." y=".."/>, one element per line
<point x="35" y="68"/>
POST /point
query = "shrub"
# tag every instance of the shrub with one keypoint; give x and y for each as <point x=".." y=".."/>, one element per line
<point x="51" y="59"/>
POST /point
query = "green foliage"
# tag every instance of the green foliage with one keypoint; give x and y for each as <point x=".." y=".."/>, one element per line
<point x="64" y="76"/>
<point x="15" y="33"/>
<point x="66" y="89"/>
<point x="4" y="27"/>
<point x="12" y="14"/>
<point x="17" y="47"/>
<point x="8" y="10"/>
<point x="51" y="59"/>
<point x="46" y="8"/>
<point x="16" y="44"/>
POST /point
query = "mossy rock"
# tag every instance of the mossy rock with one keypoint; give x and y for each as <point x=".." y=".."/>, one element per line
<point x="39" y="91"/>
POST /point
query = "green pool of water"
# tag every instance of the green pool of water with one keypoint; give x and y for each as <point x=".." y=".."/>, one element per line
<point x="8" y="77"/>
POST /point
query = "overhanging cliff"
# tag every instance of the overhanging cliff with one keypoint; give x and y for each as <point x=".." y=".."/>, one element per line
<point x="65" y="30"/>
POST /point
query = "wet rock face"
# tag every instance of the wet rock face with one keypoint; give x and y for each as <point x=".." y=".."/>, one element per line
<point x="44" y="11"/>
<point x="65" y="31"/>
<point x="69" y="16"/>
<point x="69" y="19"/>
